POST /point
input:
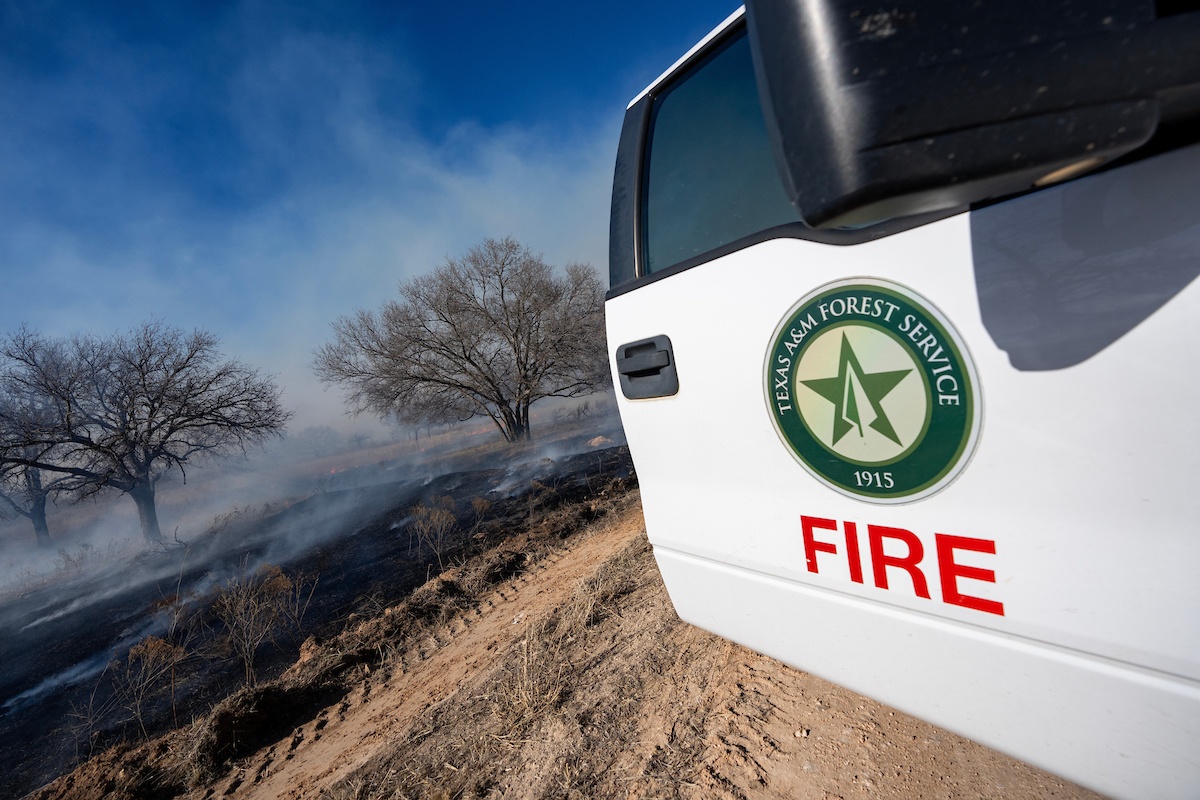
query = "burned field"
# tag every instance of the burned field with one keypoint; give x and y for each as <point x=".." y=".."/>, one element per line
<point x="126" y="653"/>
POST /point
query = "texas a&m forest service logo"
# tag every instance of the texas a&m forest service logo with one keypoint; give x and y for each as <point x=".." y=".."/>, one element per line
<point x="873" y="391"/>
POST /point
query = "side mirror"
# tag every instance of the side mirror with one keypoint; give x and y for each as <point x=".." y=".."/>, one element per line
<point x="883" y="111"/>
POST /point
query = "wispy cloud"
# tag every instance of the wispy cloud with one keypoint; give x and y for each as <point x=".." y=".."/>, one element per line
<point x="260" y="180"/>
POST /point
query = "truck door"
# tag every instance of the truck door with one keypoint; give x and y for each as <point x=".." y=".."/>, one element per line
<point x="944" y="458"/>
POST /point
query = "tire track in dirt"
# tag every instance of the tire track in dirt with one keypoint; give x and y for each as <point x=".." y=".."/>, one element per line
<point x="389" y="707"/>
<point x="734" y="723"/>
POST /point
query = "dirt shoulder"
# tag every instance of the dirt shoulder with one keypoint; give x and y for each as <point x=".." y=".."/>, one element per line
<point x="565" y="673"/>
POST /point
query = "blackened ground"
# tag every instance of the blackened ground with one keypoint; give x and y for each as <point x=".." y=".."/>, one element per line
<point x="61" y="646"/>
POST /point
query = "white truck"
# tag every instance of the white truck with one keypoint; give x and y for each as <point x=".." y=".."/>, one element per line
<point x="904" y="316"/>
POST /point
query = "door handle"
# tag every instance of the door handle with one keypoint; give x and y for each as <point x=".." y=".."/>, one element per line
<point x="643" y="362"/>
<point x="647" y="368"/>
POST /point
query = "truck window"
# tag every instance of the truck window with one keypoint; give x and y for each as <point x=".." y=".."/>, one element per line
<point x="710" y="178"/>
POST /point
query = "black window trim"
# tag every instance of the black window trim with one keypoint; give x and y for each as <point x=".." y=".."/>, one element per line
<point x="794" y="230"/>
<point x="627" y="223"/>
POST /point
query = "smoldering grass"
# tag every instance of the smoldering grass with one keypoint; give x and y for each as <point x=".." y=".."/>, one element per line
<point x="68" y="564"/>
<point x="89" y="716"/>
<point x="515" y="542"/>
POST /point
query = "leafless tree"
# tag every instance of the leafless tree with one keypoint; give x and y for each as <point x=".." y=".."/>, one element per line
<point x="486" y="334"/>
<point x="25" y="492"/>
<point x="120" y="412"/>
<point x="25" y="489"/>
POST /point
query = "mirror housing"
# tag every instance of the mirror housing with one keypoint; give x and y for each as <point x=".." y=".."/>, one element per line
<point x="877" y="112"/>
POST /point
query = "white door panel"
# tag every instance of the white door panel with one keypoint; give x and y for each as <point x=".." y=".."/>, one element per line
<point x="1051" y="481"/>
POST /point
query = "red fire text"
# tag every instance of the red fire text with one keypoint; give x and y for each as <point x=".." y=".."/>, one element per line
<point x="896" y="555"/>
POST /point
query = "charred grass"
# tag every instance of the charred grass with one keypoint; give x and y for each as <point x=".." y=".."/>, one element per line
<point x="508" y="539"/>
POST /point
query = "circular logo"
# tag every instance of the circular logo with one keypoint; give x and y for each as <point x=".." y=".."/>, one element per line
<point x="873" y="391"/>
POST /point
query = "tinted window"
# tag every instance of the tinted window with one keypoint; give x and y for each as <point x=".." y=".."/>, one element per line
<point x="711" y="177"/>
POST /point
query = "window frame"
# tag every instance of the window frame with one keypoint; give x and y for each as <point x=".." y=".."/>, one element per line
<point x="658" y="102"/>
<point x="627" y="235"/>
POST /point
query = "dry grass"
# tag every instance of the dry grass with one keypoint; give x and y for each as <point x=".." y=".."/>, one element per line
<point x="150" y="663"/>
<point x="257" y="607"/>
<point x="434" y="526"/>
<point x="539" y="672"/>
<point x="536" y="678"/>
<point x="464" y="749"/>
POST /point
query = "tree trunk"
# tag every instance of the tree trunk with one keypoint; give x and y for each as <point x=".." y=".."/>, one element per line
<point x="523" y="415"/>
<point x="143" y="497"/>
<point x="37" y="515"/>
<point x="37" y="506"/>
<point x="518" y="431"/>
<point x="514" y="423"/>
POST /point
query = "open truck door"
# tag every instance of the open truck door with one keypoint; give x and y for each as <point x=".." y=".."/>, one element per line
<point x="904" y="317"/>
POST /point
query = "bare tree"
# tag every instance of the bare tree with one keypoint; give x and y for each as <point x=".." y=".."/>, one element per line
<point x="487" y="334"/>
<point x="121" y="412"/>
<point x="25" y="491"/>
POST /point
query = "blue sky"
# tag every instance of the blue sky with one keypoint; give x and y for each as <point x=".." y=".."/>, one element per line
<point x="258" y="169"/>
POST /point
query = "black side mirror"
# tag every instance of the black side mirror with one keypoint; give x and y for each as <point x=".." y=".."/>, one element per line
<point x="882" y="111"/>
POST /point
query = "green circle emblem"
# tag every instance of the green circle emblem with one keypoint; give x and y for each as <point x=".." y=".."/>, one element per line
<point x="873" y="391"/>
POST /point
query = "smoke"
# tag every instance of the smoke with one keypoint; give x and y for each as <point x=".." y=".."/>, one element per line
<point x="75" y="674"/>
<point x="82" y="671"/>
<point x="349" y="536"/>
<point x="315" y="196"/>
